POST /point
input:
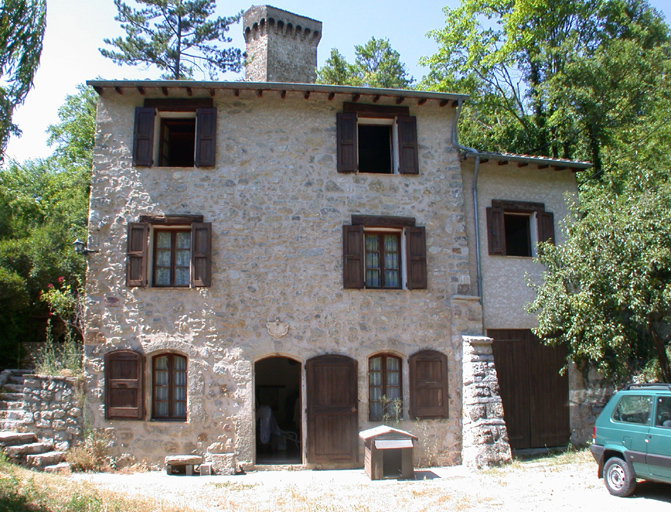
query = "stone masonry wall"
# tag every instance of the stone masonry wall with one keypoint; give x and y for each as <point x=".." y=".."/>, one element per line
<point x="485" y="433"/>
<point x="54" y="409"/>
<point x="277" y="206"/>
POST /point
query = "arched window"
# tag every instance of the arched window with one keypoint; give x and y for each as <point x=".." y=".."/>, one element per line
<point x="169" y="387"/>
<point x="385" y="387"/>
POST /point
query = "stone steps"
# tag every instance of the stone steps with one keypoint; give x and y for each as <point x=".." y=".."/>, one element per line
<point x="22" y="450"/>
<point x="16" y="438"/>
<point x="12" y="400"/>
<point x="42" y="460"/>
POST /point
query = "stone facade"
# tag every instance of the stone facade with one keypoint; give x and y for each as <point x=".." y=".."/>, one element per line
<point x="54" y="409"/>
<point x="277" y="207"/>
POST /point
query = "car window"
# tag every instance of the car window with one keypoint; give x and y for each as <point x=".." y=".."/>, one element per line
<point x="663" y="416"/>
<point x="633" y="409"/>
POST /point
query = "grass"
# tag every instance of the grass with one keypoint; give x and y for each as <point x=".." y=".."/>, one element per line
<point x="22" y="490"/>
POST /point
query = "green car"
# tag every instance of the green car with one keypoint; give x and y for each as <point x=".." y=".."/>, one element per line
<point x="632" y="437"/>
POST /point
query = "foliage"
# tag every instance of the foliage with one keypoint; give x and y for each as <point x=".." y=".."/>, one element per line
<point x="376" y="64"/>
<point x="606" y="292"/>
<point x="551" y="77"/>
<point x="91" y="454"/>
<point x="43" y="208"/>
<point x="176" y="36"/>
<point x="59" y="359"/>
<point x="22" y="25"/>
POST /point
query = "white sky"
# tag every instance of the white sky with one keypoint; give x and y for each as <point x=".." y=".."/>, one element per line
<point x="76" y="29"/>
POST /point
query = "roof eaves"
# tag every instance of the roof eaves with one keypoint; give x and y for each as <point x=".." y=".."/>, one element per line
<point x="355" y="92"/>
<point x="541" y="161"/>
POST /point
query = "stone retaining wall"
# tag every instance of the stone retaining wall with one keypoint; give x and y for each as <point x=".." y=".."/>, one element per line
<point x="54" y="409"/>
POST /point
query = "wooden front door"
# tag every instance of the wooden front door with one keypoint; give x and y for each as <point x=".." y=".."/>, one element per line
<point x="332" y="410"/>
<point x="534" y="394"/>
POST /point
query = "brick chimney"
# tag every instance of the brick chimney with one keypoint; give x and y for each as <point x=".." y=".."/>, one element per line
<point x="281" y="46"/>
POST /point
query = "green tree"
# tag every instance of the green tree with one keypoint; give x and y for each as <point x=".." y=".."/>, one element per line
<point x="176" y="36"/>
<point x="43" y="208"/>
<point x="22" y="24"/>
<point x="606" y="292"/>
<point x="376" y="64"/>
<point x="552" y="77"/>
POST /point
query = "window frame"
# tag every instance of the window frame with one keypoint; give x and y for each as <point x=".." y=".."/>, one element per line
<point x="413" y="251"/>
<point x="173" y="231"/>
<point x="171" y="401"/>
<point x="147" y="139"/>
<point x="140" y="258"/>
<point x="404" y="146"/>
<point x="384" y="385"/>
<point x="540" y="231"/>
<point x="380" y="233"/>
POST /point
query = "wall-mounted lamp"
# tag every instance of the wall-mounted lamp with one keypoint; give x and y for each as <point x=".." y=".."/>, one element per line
<point x="80" y="249"/>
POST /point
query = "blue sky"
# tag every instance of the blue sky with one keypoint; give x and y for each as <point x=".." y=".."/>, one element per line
<point x="76" y="29"/>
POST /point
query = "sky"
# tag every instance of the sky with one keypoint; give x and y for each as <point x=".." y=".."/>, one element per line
<point x="76" y="29"/>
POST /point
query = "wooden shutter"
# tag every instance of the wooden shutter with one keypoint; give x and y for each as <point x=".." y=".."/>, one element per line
<point x="143" y="137"/>
<point x="201" y="253"/>
<point x="347" y="141"/>
<point x="496" y="231"/>
<point x="428" y="385"/>
<point x="206" y="137"/>
<point x="136" y="251"/>
<point x="408" y="153"/>
<point x="353" y="257"/>
<point x="415" y="245"/>
<point x="124" y="391"/>
<point x="546" y="227"/>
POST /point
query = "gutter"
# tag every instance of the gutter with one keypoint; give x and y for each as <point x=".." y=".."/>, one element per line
<point x="476" y="154"/>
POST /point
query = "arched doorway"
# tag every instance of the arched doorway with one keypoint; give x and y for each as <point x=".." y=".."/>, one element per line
<point x="278" y="410"/>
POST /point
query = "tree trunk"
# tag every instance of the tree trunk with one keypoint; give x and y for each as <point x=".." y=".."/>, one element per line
<point x="662" y="355"/>
<point x="178" y="63"/>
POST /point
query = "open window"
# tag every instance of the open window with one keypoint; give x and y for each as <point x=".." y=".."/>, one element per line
<point x="175" y="133"/>
<point x="169" y="251"/>
<point x="384" y="253"/>
<point x="515" y="227"/>
<point x="378" y="139"/>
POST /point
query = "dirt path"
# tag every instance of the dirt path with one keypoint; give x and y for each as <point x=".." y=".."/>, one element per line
<point x="533" y="486"/>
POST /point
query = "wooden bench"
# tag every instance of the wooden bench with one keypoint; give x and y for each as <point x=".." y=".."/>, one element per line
<point x="175" y="464"/>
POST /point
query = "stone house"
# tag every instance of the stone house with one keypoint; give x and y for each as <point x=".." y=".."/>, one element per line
<point x="283" y="264"/>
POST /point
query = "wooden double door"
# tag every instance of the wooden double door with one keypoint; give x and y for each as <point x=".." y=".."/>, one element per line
<point x="534" y="394"/>
<point x="332" y="410"/>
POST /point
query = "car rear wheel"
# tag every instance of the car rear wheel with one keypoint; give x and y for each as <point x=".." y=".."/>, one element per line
<point x="619" y="478"/>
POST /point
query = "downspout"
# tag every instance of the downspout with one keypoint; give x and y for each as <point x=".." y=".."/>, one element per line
<point x="476" y="154"/>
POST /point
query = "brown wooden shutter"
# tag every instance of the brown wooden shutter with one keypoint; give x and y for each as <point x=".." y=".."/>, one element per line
<point x="136" y="251"/>
<point x="143" y="137"/>
<point x="496" y="231"/>
<point x="546" y="227"/>
<point x="415" y="245"/>
<point x="353" y="257"/>
<point x="201" y="253"/>
<point x="428" y="385"/>
<point x="347" y="141"/>
<point x="206" y="137"/>
<point x="124" y="391"/>
<point x="408" y="152"/>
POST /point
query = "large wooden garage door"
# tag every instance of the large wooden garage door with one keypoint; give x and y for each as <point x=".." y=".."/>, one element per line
<point x="534" y="394"/>
<point x="332" y="410"/>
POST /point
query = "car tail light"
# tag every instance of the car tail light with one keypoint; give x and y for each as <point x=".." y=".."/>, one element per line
<point x="594" y="435"/>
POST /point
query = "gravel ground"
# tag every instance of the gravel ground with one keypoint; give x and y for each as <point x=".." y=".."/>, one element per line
<point x="531" y="486"/>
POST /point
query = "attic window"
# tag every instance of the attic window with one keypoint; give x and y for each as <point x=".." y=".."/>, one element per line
<point x="377" y="139"/>
<point x="176" y="133"/>
<point x="178" y="138"/>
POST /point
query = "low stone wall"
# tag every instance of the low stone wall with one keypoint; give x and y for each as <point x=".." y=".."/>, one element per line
<point x="485" y="436"/>
<point x="54" y="409"/>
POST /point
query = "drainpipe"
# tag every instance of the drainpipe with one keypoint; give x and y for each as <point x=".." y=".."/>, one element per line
<point x="476" y="154"/>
